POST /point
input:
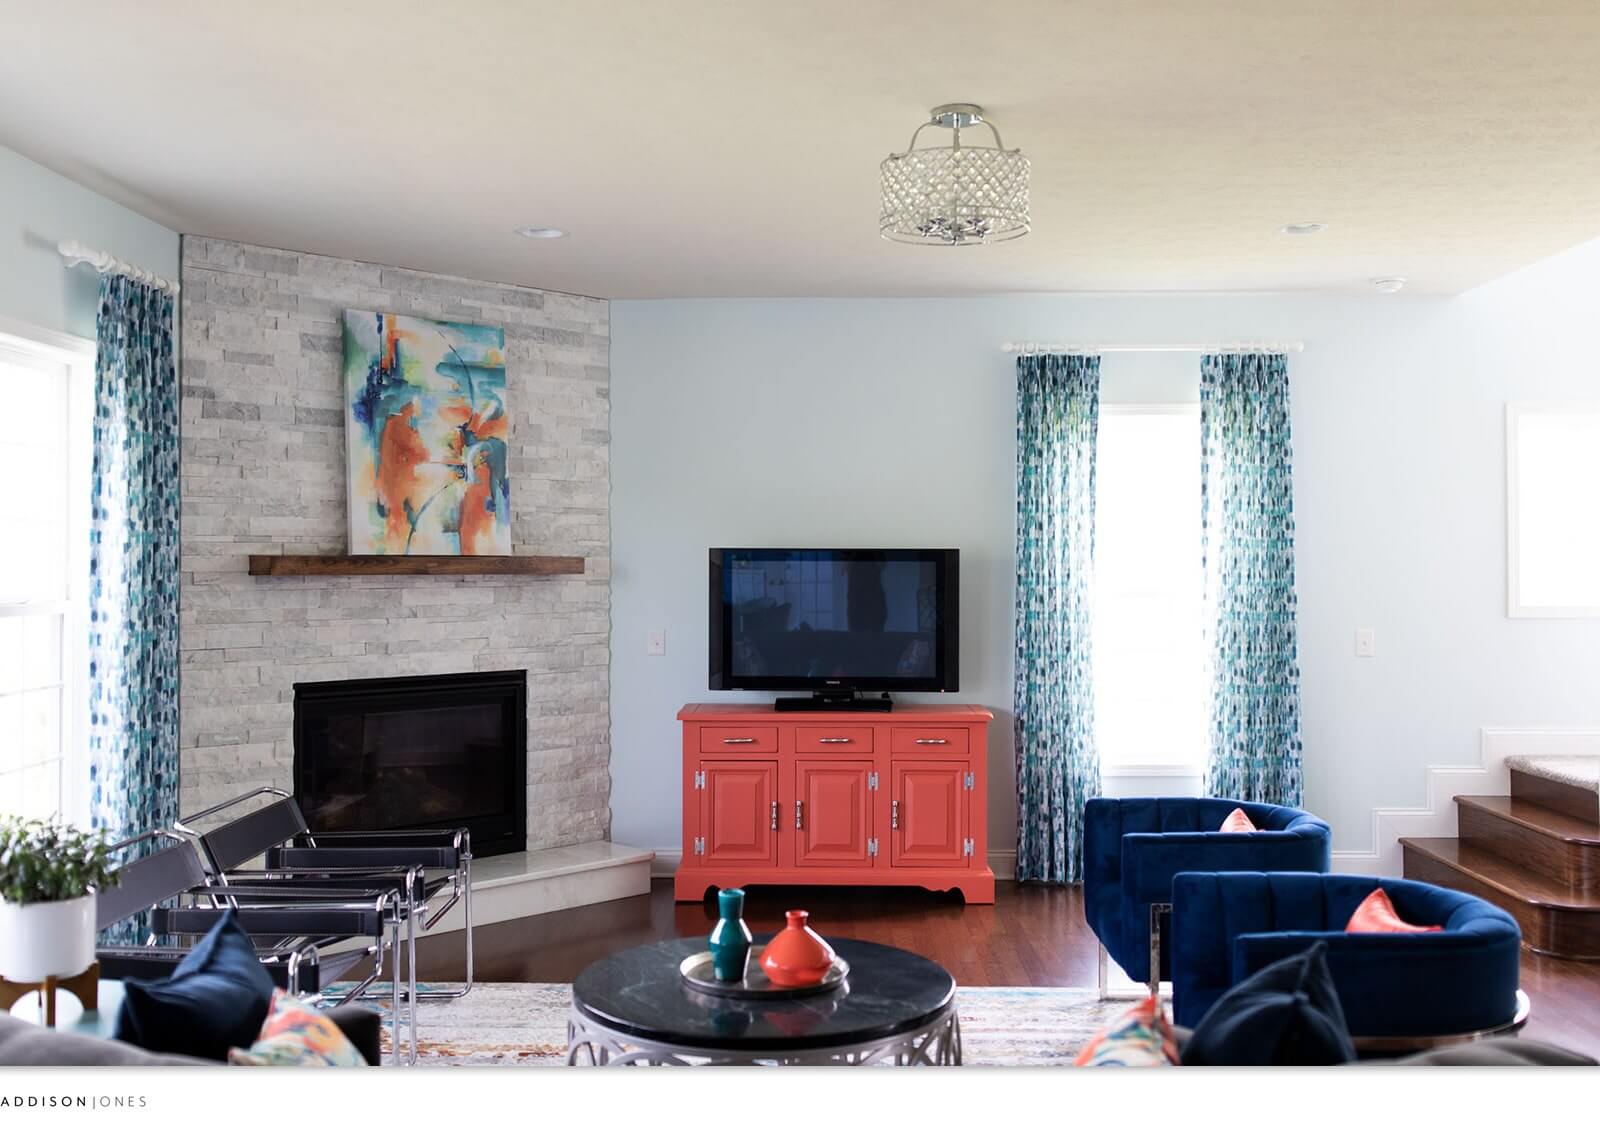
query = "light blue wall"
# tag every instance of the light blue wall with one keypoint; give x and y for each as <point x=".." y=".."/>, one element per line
<point x="39" y="207"/>
<point x="840" y="421"/>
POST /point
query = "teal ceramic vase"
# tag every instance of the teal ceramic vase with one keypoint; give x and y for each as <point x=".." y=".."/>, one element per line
<point x="730" y="938"/>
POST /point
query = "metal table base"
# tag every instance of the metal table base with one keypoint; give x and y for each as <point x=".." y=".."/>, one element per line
<point x="936" y="1043"/>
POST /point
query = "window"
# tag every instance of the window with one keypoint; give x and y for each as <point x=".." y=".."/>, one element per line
<point x="1553" y="510"/>
<point x="44" y="466"/>
<point x="1149" y="671"/>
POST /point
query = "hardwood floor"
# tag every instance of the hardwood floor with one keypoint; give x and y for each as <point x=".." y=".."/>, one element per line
<point x="1032" y="936"/>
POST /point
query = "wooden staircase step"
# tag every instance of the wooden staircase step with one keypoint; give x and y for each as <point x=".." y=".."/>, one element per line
<point x="1566" y="784"/>
<point x="1553" y="843"/>
<point x="1556" y="919"/>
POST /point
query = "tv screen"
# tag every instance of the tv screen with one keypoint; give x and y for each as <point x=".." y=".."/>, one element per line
<point x="834" y="619"/>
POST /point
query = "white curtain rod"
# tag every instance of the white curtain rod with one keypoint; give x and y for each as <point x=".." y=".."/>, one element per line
<point x="103" y="262"/>
<point x="1232" y="347"/>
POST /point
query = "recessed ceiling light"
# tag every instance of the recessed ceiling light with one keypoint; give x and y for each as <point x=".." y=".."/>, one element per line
<point x="1388" y="283"/>
<point x="1302" y="228"/>
<point x="540" y="232"/>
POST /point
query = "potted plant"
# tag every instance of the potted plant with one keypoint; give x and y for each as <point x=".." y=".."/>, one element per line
<point x="48" y="876"/>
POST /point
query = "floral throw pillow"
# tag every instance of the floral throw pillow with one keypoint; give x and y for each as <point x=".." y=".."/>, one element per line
<point x="1142" y="1036"/>
<point x="296" y="1034"/>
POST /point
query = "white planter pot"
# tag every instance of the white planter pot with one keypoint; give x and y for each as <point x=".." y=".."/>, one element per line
<point x="40" y="940"/>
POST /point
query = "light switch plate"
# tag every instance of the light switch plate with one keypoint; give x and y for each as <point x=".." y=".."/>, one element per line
<point x="1366" y="642"/>
<point x="655" y="643"/>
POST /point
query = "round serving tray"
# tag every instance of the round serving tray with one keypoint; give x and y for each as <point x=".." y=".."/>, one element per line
<point x="698" y="974"/>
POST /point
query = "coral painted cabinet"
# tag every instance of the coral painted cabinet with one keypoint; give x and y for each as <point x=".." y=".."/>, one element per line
<point x="929" y="813"/>
<point x="832" y="813"/>
<point x="835" y="798"/>
<point x="740" y="812"/>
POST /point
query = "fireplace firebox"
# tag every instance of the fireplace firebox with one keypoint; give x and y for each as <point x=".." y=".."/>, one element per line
<point x="438" y="751"/>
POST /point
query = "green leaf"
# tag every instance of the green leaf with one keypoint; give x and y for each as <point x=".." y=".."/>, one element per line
<point x="45" y="861"/>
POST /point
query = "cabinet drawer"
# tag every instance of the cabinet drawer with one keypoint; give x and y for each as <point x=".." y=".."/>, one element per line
<point x="930" y="741"/>
<point x="740" y="739"/>
<point x="833" y="739"/>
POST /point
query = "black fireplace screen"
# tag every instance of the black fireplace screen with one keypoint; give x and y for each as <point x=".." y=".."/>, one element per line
<point x="441" y="751"/>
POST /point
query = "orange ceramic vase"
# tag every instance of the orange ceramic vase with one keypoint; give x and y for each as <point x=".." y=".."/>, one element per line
<point x="797" y="955"/>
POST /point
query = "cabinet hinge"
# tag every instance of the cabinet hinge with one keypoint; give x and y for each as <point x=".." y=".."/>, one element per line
<point x="872" y="780"/>
<point x="700" y="779"/>
<point x="967" y="847"/>
<point x="700" y="845"/>
<point x="872" y="847"/>
<point x="969" y="780"/>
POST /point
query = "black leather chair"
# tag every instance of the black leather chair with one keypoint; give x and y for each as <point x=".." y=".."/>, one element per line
<point x="419" y="864"/>
<point x="293" y="930"/>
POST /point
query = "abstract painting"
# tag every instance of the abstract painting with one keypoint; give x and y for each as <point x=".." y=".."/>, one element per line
<point x="426" y="431"/>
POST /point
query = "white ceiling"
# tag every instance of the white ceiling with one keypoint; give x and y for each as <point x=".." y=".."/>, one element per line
<point x="726" y="148"/>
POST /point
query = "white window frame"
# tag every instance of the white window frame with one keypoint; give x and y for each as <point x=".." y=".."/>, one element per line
<point x="77" y="354"/>
<point x="1515" y="608"/>
<point x="1172" y="770"/>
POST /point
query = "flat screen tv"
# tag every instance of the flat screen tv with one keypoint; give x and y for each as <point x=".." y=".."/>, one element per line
<point x="835" y="621"/>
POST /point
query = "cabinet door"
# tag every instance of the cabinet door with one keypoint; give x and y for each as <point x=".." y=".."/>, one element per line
<point x="834" y="819"/>
<point x="928" y="813"/>
<point x="738" y="812"/>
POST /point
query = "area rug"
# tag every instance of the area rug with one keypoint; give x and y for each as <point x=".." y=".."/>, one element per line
<point x="524" y="1024"/>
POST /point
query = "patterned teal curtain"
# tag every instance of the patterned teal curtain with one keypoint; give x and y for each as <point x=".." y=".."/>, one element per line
<point x="133" y="566"/>
<point x="1247" y="551"/>
<point x="1058" y="768"/>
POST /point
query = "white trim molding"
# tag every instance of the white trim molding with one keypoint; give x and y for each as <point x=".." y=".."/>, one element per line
<point x="1445" y="782"/>
<point x="74" y="350"/>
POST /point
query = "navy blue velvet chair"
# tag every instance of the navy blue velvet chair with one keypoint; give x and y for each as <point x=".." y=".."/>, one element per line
<point x="1133" y="846"/>
<point x="1394" y="987"/>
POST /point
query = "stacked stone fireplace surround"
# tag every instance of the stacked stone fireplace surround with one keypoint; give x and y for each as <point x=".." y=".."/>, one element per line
<point x="264" y="472"/>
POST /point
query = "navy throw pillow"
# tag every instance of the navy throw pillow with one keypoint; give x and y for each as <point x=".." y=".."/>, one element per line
<point x="215" y="999"/>
<point x="1285" y="1014"/>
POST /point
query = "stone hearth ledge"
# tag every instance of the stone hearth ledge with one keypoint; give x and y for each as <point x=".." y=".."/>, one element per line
<point x="519" y="884"/>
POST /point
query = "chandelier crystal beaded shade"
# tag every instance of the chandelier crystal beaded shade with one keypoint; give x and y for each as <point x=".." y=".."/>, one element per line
<point x="954" y="194"/>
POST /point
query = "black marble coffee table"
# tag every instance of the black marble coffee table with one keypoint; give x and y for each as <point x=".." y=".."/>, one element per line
<point x="634" y="1009"/>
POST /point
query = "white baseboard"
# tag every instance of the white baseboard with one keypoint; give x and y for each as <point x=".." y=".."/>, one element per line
<point x="1445" y="782"/>
<point x="1002" y="861"/>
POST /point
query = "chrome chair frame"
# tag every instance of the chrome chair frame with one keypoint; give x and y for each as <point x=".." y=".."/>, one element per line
<point x="1152" y="988"/>
<point x="458" y="877"/>
<point x="398" y="936"/>
<point x="294" y="953"/>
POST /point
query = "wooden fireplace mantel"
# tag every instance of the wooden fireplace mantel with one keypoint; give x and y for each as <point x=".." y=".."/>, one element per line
<point x="268" y="565"/>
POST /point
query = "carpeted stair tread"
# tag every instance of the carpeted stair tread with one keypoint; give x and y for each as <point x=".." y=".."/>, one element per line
<point x="1577" y="771"/>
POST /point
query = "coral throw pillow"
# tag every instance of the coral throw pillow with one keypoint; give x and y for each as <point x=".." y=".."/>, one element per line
<point x="1237" y="822"/>
<point x="1142" y="1036"/>
<point x="1377" y="915"/>
<point x="296" y="1034"/>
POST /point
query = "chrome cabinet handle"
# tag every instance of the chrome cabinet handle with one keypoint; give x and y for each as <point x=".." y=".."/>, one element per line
<point x="737" y="741"/>
<point x="894" y="814"/>
<point x="797" y="815"/>
<point x="933" y="741"/>
<point x="774" y="816"/>
<point x="835" y="741"/>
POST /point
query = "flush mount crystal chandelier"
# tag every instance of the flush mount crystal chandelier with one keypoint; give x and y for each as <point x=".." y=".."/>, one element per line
<point x="954" y="194"/>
